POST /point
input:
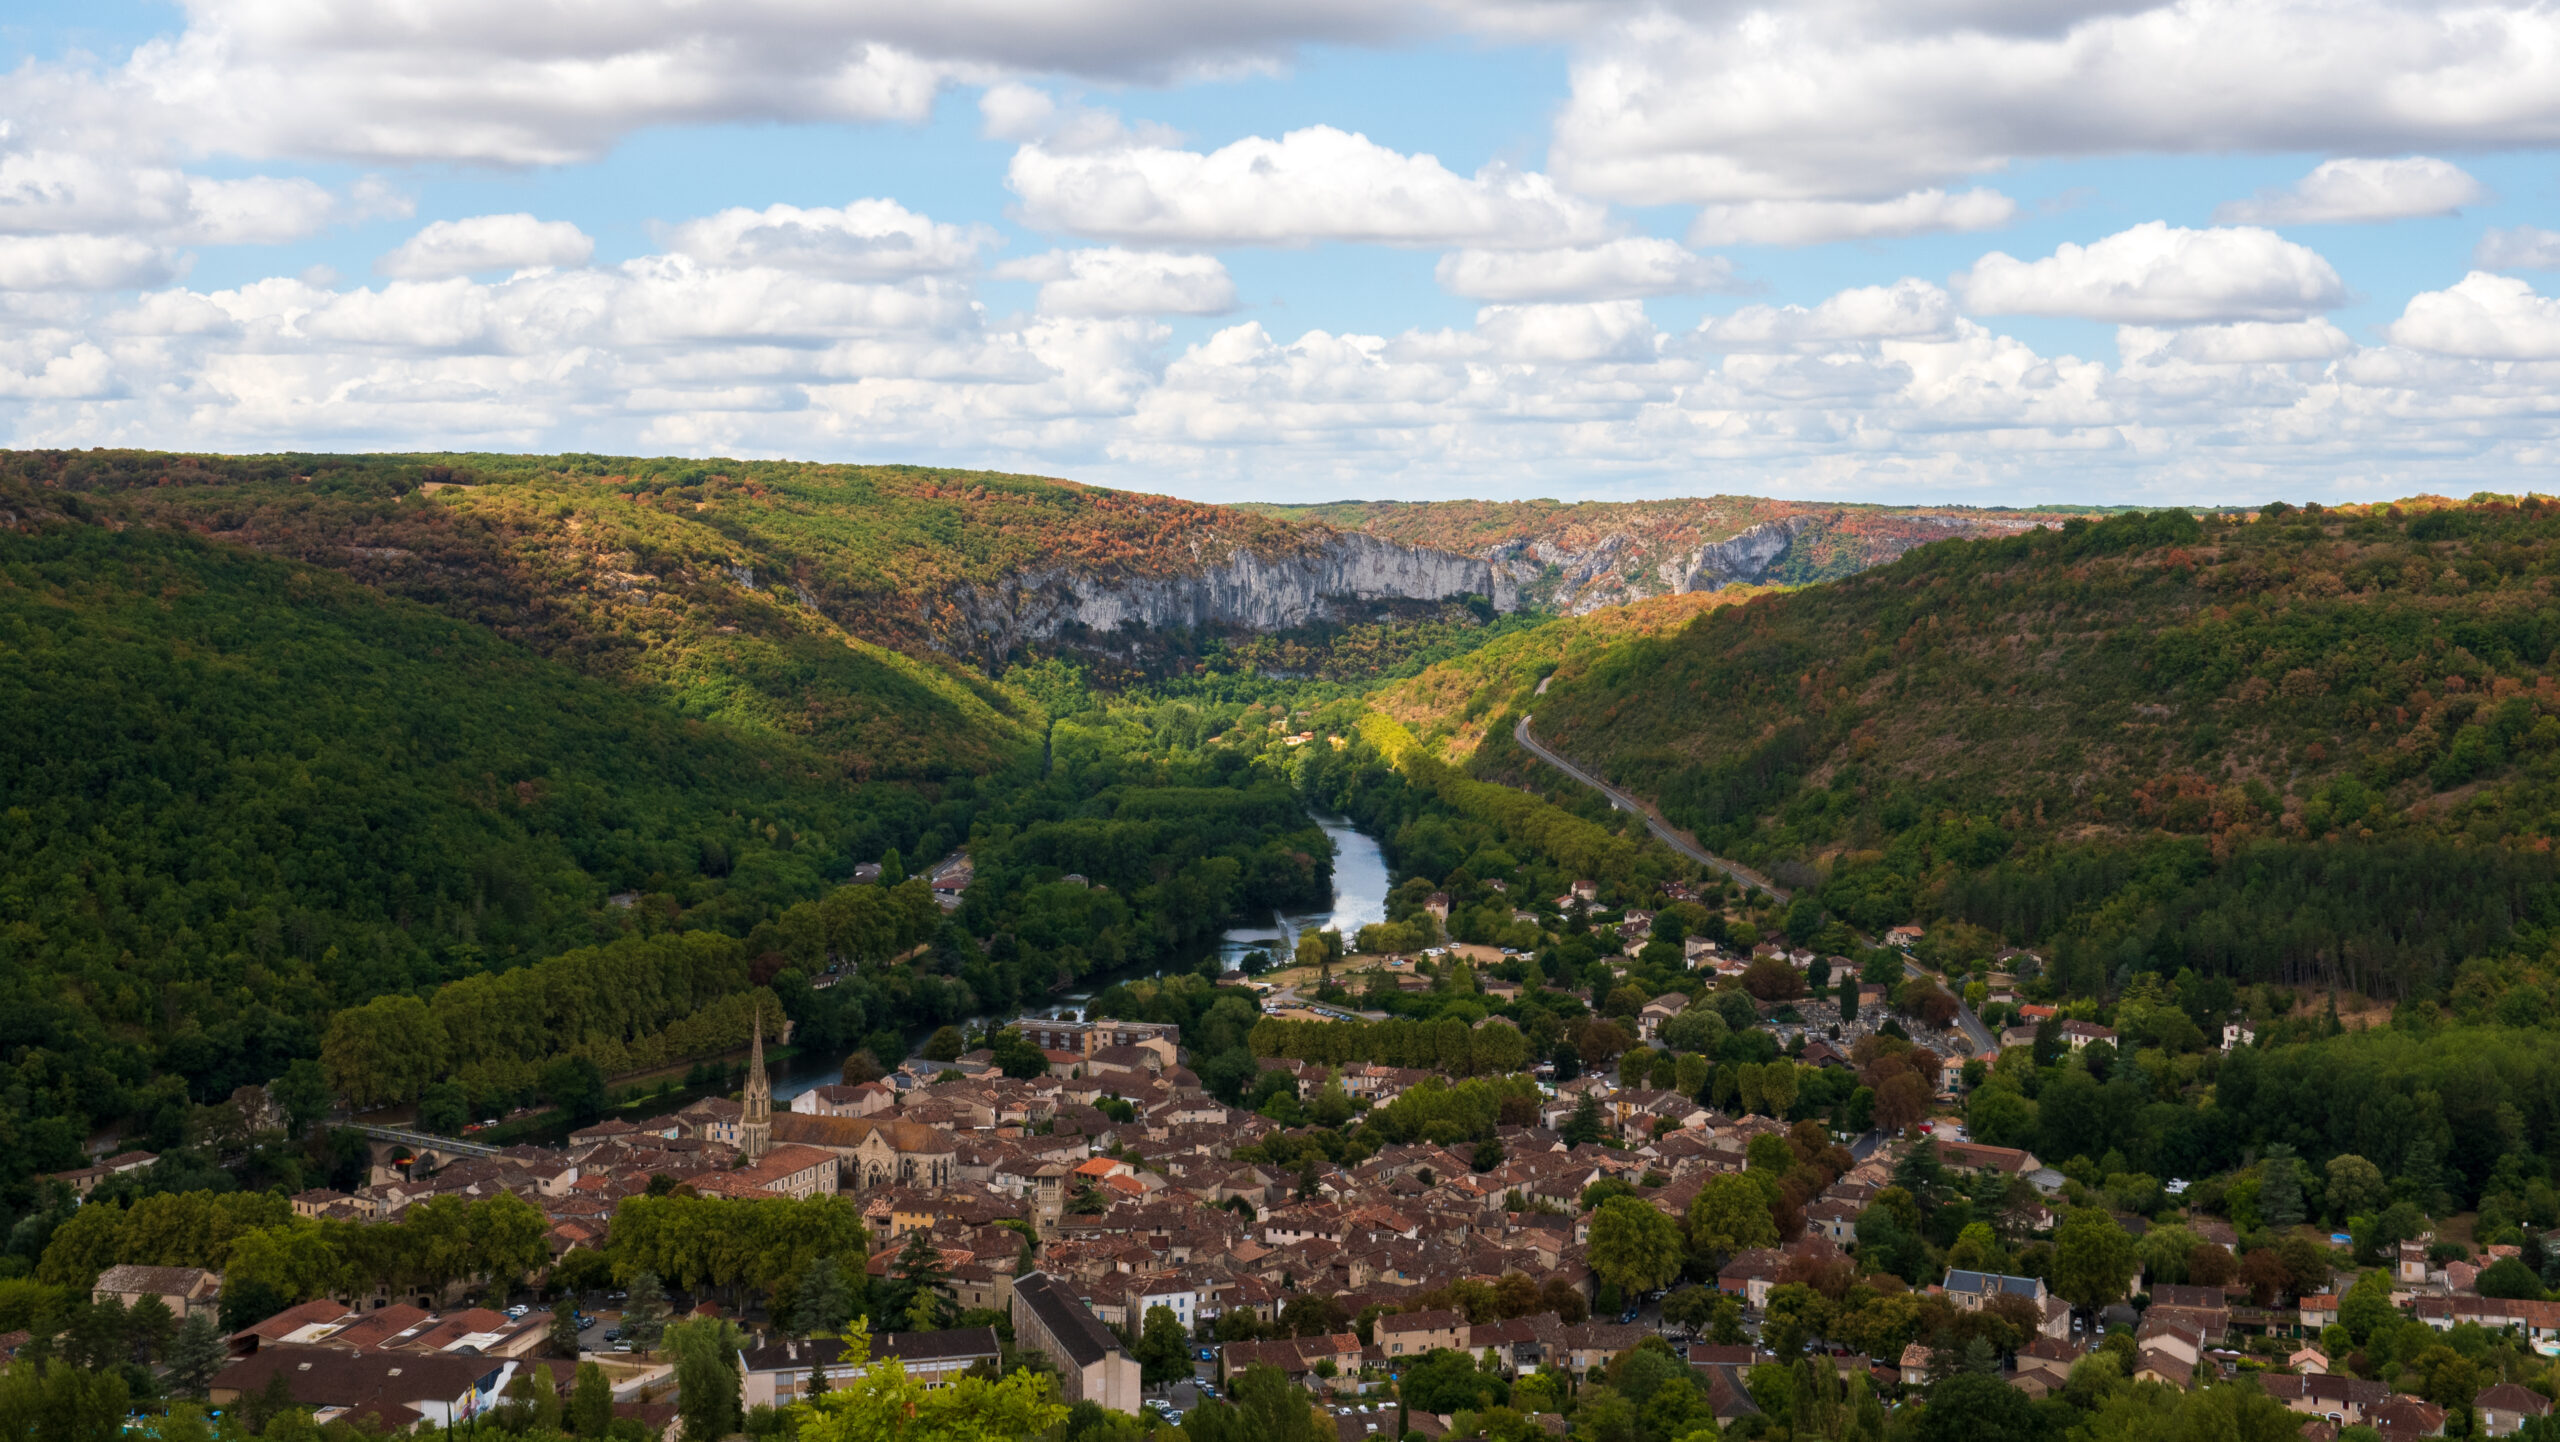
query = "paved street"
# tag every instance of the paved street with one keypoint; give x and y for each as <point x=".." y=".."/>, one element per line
<point x="1677" y="840"/>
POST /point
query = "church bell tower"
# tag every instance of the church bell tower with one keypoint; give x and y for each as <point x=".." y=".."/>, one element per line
<point x="755" y="1125"/>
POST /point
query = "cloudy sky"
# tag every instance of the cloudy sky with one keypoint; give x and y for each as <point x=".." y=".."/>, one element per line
<point x="1910" y="250"/>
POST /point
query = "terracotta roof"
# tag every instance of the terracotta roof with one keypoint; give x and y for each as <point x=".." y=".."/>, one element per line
<point x="334" y="1377"/>
<point x="846" y="1133"/>
<point x="2508" y="1397"/>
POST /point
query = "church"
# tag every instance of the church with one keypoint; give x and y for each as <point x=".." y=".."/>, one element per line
<point x="876" y="1151"/>
<point x="871" y="1151"/>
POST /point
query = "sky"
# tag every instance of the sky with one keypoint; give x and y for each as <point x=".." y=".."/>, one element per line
<point x="1913" y="251"/>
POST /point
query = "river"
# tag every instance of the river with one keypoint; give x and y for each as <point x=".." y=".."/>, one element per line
<point x="1359" y="899"/>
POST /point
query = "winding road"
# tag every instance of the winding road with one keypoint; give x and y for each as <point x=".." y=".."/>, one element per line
<point x="1672" y="837"/>
<point x="1976" y="1035"/>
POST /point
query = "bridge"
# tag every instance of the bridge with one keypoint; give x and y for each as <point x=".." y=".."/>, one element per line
<point x="425" y="1149"/>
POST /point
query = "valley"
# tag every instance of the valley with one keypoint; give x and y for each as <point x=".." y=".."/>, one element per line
<point x="2111" y="902"/>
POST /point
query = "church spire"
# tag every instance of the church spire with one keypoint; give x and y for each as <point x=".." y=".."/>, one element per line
<point x="755" y="1124"/>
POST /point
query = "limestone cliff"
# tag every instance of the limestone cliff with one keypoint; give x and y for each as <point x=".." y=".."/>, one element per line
<point x="1747" y="557"/>
<point x="1247" y="590"/>
<point x="1577" y="557"/>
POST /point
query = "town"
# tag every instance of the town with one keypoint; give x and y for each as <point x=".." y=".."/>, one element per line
<point x="1067" y="1195"/>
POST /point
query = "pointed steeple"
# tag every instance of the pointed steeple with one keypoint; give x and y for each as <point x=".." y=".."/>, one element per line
<point x="755" y="1123"/>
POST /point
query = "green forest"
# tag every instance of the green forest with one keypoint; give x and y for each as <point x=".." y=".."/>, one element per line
<point x="2302" y="746"/>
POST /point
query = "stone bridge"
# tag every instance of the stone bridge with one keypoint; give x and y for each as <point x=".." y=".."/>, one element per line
<point x="400" y="1148"/>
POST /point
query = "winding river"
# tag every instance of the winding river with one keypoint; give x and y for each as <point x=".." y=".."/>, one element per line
<point x="1359" y="899"/>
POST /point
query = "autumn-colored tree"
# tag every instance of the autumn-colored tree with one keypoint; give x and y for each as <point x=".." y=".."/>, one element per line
<point x="2211" y="1264"/>
<point x="2264" y="1273"/>
<point x="1771" y="979"/>
<point x="1901" y="1102"/>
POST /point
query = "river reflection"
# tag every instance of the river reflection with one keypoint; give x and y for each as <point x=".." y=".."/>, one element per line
<point x="1359" y="899"/>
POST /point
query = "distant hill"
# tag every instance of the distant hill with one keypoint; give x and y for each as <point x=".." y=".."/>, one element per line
<point x="2131" y="713"/>
<point x="860" y="609"/>
<point x="1583" y="555"/>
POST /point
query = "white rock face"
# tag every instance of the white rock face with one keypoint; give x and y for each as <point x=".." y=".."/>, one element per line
<point x="1747" y="557"/>
<point x="1247" y="591"/>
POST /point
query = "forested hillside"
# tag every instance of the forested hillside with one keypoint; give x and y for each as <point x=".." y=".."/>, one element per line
<point x="797" y="600"/>
<point x="243" y="793"/>
<point x="1451" y="703"/>
<point x="2313" y="746"/>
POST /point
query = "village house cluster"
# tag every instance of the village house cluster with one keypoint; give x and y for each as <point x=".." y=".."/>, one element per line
<point x="1158" y="1202"/>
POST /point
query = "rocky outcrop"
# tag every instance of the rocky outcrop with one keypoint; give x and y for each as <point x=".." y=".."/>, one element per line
<point x="1747" y="557"/>
<point x="1246" y="591"/>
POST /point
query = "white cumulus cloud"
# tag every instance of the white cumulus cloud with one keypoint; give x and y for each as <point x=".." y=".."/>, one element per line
<point x="260" y="210"/>
<point x="865" y="240"/>
<point x="1631" y="266"/>
<point x="1309" y="185"/>
<point x="2248" y="342"/>
<point x="1813" y="222"/>
<point x="1018" y="112"/>
<point x="1115" y="282"/>
<point x="545" y="82"/>
<point x="82" y="262"/>
<point x="1906" y="310"/>
<point x="486" y="242"/>
<point x="1609" y="330"/>
<point x="2339" y="191"/>
<point x="81" y="184"/>
<point x="1869" y="394"/>
<point x="2518" y="247"/>
<point x="2158" y="274"/>
<point x="2485" y="317"/>
<point x="1857" y="99"/>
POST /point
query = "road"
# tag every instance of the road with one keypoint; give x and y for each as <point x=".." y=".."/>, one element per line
<point x="1677" y="840"/>
<point x="1976" y="1035"/>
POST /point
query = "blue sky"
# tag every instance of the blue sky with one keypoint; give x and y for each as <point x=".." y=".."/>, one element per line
<point x="1839" y="249"/>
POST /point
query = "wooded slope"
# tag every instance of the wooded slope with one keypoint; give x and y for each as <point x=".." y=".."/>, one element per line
<point x="2323" y="709"/>
<point x="794" y="599"/>
<point x="242" y="792"/>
